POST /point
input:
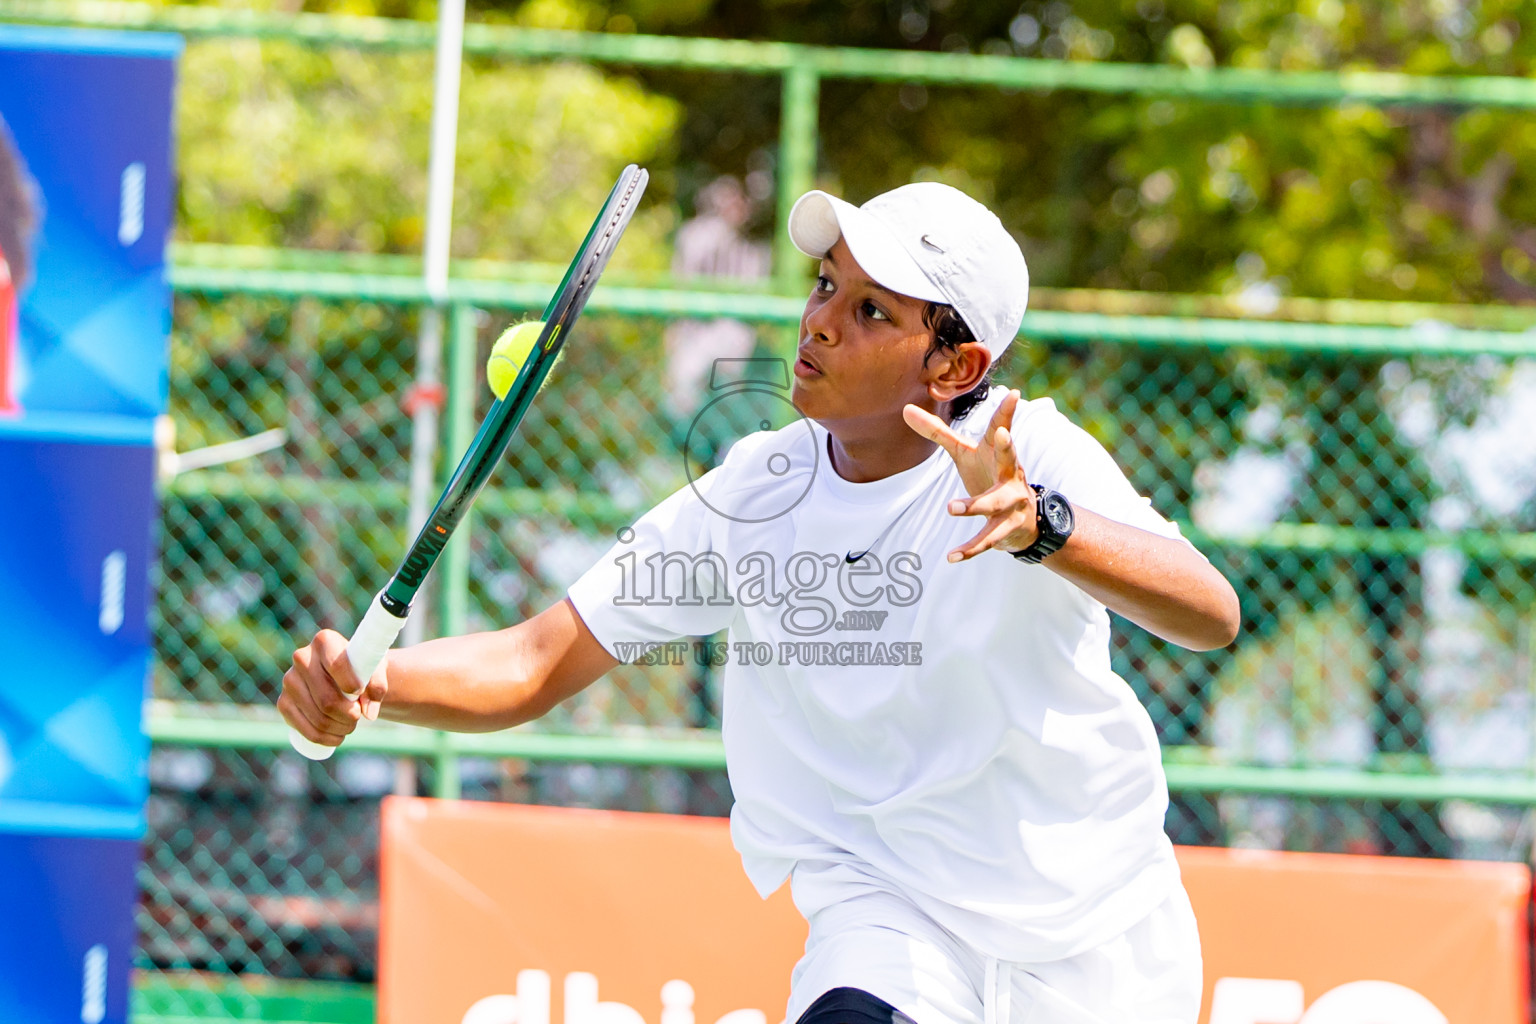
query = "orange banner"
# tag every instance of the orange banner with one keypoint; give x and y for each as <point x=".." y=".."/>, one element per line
<point x="503" y="914"/>
<point x="1319" y="938"/>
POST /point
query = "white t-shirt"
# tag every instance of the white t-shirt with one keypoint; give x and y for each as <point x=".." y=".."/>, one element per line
<point x="952" y="731"/>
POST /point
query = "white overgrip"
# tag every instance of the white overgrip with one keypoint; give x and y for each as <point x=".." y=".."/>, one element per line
<point x="365" y="651"/>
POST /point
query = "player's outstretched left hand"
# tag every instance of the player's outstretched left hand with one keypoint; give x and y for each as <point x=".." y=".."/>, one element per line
<point x="990" y="470"/>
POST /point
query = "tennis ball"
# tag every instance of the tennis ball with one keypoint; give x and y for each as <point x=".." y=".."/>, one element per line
<point x="509" y="353"/>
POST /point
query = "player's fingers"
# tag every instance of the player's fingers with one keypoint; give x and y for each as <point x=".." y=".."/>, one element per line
<point x="331" y="681"/>
<point x="995" y="530"/>
<point x="297" y="706"/>
<point x="1003" y="498"/>
<point x="288" y="708"/>
<point x="378" y="688"/>
<point x="1007" y="456"/>
<point x="300" y="712"/>
<point x="306" y="683"/>
<point x="935" y="430"/>
<point x="297" y="721"/>
<point x="1003" y="415"/>
<point x="315" y="695"/>
<point x="331" y="650"/>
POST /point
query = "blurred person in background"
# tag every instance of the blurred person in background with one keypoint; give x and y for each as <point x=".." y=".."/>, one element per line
<point x="711" y="245"/>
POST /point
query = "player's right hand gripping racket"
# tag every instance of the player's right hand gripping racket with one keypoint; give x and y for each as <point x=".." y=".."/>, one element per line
<point x="392" y="606"/>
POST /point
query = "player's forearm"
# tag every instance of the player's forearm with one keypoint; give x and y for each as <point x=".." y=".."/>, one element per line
<point x="463" y="683"/>
<point x="1162" y="585"/>
<point x="488" y="681"/>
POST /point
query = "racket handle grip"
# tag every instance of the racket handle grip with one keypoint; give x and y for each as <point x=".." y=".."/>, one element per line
<point x="370" y="642"/>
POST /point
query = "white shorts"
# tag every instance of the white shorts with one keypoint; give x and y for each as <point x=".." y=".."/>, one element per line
<point x="881" y="943"/>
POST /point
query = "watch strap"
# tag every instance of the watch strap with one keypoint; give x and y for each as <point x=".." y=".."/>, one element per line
<point x="1048" y="540"/>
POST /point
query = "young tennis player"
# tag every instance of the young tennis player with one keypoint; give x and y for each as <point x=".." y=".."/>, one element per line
<point x="923" y="731"/>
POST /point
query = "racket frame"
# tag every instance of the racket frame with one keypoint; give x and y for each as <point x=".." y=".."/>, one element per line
<point x="388" y="611"/>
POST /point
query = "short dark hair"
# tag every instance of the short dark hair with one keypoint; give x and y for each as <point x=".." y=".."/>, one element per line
<point x="17" y="215"/>
<point x="950" y="331"/>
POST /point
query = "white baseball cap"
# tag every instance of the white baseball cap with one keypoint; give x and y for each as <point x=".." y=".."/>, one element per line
<point x="929" y="241"/>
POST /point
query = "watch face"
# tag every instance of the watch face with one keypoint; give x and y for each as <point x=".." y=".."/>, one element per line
<point x="1058" y="513"/>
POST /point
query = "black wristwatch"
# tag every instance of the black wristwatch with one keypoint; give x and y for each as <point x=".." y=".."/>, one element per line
<point x="1053" y="525"/>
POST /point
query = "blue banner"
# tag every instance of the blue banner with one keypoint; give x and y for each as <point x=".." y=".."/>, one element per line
<point x="75" y="554"/>
<point x="85" y="210"/>
<point x="66" y="938"/>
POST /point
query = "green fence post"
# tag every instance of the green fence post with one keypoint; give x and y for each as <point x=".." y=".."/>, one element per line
<point x="798" y="118"/>
<point x="463" y="336"/>
<point x="447" y="763"/>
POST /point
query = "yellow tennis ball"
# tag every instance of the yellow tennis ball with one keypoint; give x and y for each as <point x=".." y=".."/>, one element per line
<point x="509" y="353"/>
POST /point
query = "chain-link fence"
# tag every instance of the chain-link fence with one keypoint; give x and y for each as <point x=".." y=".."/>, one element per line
<point x="1368" y="502"/>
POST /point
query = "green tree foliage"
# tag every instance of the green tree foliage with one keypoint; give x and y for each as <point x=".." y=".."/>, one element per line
<point x="1105" y="192"/>
<point x="281" y="145"/>
<point x="1168" y="195"/>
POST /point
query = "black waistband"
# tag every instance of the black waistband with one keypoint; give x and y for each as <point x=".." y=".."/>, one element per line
<point x="851" y="1006"/>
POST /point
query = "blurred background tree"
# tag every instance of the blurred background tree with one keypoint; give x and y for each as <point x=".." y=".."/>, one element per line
<point x="1151" y="194"/>
<point x="1159" y="194"/>
<point x="282" y="145"/>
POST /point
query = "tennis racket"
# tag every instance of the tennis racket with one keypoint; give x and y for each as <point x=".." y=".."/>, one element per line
<point x="390" y="608"/>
